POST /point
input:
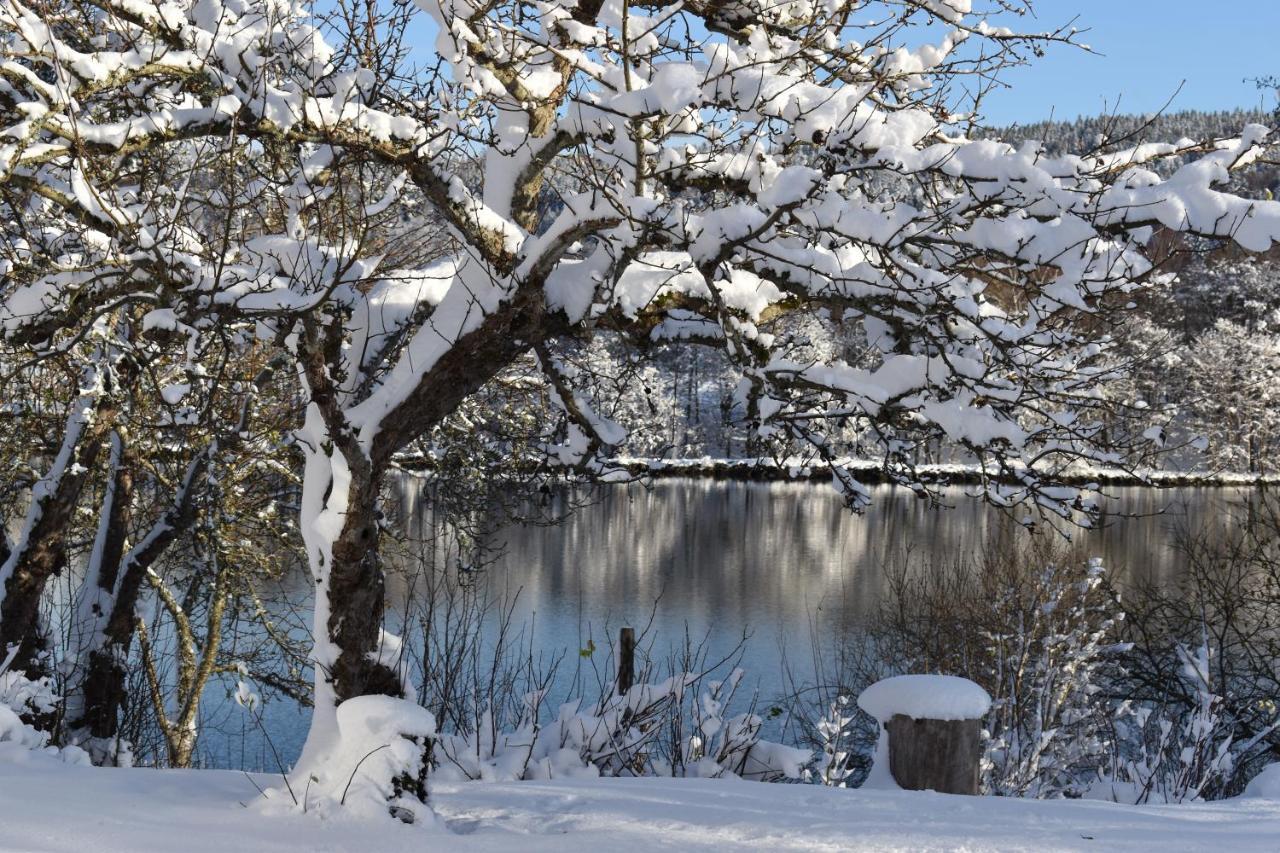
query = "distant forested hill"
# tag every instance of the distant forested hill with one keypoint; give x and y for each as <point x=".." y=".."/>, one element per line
<point x="1086" y="133"/>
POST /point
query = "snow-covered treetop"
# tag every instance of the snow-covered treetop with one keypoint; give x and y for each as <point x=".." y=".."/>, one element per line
<point x="717" y="166"/>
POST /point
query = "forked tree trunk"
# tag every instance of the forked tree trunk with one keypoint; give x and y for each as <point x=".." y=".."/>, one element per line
<point x="104" y="688"/>
<point x="108" y="612"/>
<point x="340" y="528"/>
<point x="339" y="522"/>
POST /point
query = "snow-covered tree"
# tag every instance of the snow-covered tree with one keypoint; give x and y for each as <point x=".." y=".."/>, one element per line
<point x="1229" y="378"/>
<point x="231" y="167"/>
<point x="1241" y="290"/>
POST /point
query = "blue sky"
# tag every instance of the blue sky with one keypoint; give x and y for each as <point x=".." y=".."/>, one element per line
<point x="1149" y="47"/>
<point x="1144" y="49"/>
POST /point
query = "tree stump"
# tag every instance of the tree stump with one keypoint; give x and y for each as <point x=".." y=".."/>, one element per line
<point x="935" y="755"/>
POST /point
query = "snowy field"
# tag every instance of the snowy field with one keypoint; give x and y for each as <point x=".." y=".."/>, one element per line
<point x="52" y="808"/>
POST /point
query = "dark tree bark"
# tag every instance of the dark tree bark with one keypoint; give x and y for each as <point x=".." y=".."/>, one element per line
<point x="357" y="583"/>
<point x="40" y="556"/>
<point x="104" y="680"/>
<point x="357" y="594"/>
<point x="123" y="574"/>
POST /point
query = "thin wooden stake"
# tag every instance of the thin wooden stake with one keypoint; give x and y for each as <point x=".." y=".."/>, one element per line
<point x="626" y="660"/>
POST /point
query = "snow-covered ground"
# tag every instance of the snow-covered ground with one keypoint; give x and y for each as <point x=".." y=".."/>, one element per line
<point x="46" y="806"/>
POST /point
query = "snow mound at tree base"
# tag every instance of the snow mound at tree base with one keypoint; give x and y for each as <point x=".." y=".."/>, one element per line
<point x="374" y="767"/>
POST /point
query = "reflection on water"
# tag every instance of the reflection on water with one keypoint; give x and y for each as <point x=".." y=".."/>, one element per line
<point x="774" y="559"/>
<point x="771" y="556"/>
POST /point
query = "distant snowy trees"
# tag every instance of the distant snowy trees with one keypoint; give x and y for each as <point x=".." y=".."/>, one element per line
<point x="1201" y="360"/>
<point x="241" y="177"/>
<point x="1232" y="387"/>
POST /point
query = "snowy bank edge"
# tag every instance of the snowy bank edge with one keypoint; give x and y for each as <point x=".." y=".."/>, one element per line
<point x="871" y="472"/>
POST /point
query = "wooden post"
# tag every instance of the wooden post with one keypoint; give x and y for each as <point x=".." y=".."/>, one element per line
<point x="626" y="660"/>
<point x="935" y="755"/>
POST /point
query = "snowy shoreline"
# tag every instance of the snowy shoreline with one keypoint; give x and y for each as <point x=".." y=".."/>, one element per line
<point x="872" y="473"/>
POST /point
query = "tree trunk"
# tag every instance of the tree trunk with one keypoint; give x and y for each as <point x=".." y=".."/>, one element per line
<point x="107" y="617"/>
<point x="97" y="687"/>
<point x="40" y="552"/>
<point x="181" y="743"/>
<point x="339" y="526"/>
<point x="357" y="590"/>
<point x="339" y="523"/>
<point x="107" y="611"/>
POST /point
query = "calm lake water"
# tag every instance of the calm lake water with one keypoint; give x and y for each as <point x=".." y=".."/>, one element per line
<point x="780" y="561"/>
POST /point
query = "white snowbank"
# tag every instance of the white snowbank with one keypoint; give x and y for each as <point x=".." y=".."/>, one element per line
<point x="53" y="808"/>
<point x="1266" y="784"/>
<point x="925" y="697"/>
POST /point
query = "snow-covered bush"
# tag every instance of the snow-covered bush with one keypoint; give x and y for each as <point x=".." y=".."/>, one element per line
<point x="1033" y="625"/>
<point x="23" y="699"/>
<point x="491" y="693"/>
<point x="1049" y="670"/>
<point x="832" y="767"/>
<point x="1163" y="694"/>
<point x="1174" y="753"/>
<point x="718" y="744"/>
<point x="1203" y="646"/>
<point x="667" y="728"/>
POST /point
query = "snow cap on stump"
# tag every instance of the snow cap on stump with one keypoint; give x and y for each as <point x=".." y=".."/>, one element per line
<point x="925" y="697"/>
